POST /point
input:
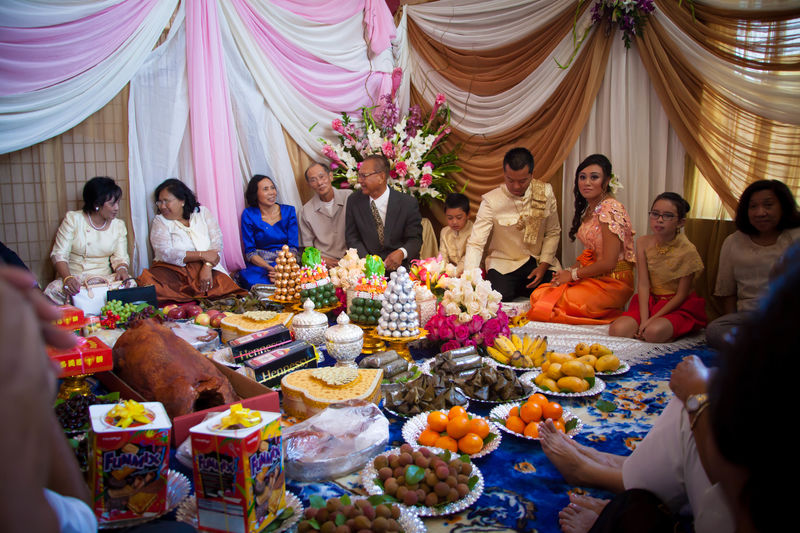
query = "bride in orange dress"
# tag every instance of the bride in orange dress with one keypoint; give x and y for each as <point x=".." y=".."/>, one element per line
<point x="600" y="283"/>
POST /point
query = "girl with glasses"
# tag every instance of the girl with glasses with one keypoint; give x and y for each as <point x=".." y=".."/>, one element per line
<point x="665" y="306"/>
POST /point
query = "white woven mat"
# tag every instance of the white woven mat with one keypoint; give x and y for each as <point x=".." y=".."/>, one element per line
<point x="564" y="337"/>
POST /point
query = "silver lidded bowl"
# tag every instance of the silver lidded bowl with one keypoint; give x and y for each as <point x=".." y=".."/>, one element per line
<point x="310" y="325"/>
<point x="344" y="341"/>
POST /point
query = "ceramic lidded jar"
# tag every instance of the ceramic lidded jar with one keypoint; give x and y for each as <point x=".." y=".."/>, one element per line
<point x="344" y="341"/>
<point x="310" y="325"/>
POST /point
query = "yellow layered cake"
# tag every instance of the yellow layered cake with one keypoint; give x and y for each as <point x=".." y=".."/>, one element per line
<point x="234" y="326"/>
<point x="305" y="395"/>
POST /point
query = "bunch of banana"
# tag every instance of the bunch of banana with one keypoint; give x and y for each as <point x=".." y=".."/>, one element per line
<point x="522" y="352"/>
<point x="599" y="356"/>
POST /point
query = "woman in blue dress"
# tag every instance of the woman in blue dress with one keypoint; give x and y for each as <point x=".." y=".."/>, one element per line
<point x="266" y="227"/>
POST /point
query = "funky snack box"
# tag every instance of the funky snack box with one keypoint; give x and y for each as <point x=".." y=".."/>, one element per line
<point x="128" y="459"/>
<point x="238" y="470"/>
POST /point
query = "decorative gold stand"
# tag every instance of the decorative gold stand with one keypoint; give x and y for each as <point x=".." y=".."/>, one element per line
<point x="400" y="344"/>
<point x="372" y="344"/>
<point x="74" y="385"/>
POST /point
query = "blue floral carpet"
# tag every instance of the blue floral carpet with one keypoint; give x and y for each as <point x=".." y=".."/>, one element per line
<point x="523" y="491"/>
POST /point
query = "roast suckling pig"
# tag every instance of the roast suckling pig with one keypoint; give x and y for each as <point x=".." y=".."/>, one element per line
<point x="165" y="368"/>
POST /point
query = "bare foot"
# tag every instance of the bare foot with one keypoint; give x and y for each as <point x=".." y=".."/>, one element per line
<point x="576" y="519"/>
<point x="588" y="502"/>
<point x="563" y="453"/>
<point x="609" y="459"/>
<point x="577" y="467"/>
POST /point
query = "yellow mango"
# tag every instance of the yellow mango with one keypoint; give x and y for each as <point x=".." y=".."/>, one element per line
<point x="575" y="368"/>
<point x="554" y="371"/>
<point x="589" y="359"/>
<point x="545" y="365"/>
<point x="573" y="384"/>
<point x="607" y="363"/>
<point x="538" y="379"/>
<point x="581" y="349"/>
<point x="599" y="350"/>
<point x="556" y="357"/>
<point x="550" y="384"/>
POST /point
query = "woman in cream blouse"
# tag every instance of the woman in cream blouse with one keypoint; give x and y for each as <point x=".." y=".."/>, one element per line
<point x="187" y="245"/>
<point x="91" y="242"/>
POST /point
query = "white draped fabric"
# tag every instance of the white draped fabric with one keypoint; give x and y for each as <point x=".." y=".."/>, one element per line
<point x="160" y="141"/>
<point x="304" y="120"/>
<point x="32" y="117"/>
<point x="38" y="13"/>
<point x="772" y="95"/>
<point x="491" y="115"/>
<point x="627" y="124"/>
<point x="482" y="24"/>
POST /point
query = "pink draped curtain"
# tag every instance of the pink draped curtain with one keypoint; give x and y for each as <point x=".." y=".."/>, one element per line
<point x="32" y="58"/>
<point x="217" y="176"/>
<point x="326" y="85"/>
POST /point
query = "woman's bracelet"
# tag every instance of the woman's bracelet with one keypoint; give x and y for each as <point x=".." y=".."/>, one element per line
<point x="574" y="272"/>
<point x="209" y="264"/>
<point x="64" y="280"/>
<point x="121" y="267"/>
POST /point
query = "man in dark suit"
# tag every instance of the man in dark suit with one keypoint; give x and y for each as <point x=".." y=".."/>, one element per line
<point x="381" y="220"/>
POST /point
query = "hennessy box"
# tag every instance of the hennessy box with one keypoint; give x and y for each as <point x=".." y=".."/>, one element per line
<point x="90" y="355"/>
<point x="269" y="367"/>
<point x="128" y="465"/>
<point x="257" y="343"/>
<point x="238" y="473"/>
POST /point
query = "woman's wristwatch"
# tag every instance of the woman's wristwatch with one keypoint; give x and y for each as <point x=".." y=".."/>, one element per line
<point x="696" y="404"/>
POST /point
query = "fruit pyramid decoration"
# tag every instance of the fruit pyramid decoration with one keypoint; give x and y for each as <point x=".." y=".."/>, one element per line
<point x="399" y="316"/>
<point x="286" y="267"/>
<point x="365" y="308"/>
<point x="315" y="283"/>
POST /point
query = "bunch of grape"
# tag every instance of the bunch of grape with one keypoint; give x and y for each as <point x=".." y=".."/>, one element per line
<point x="144" y="313"/>
<point x="73" y="414"/>
<point x="117" y="308"/>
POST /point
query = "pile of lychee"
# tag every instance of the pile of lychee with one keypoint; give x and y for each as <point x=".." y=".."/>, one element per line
<point x="421" y="477"/>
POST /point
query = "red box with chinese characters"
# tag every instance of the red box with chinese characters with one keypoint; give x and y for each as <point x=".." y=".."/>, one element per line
<point x="71" y="317"/>
<point x="89" y="356"/>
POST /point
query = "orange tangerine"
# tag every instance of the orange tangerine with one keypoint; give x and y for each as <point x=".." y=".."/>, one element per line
<point x="552" y="410"/>
<point x="514" y="411"/>
<point x="428" y="438"/>
<point x="458" y="427"/>
<point x="437" y="421"/>
<point x="539" y="398"/>
<point x="532" y="430"/>
<point x="470" y="443"/>
<point x="479" y="426"/>
<point x="455" y="411"/>
<point x="447" y="443"/>
<point x="559" y="424"/>
<point x="530" y="412"/>
<point x="515" y="424"/>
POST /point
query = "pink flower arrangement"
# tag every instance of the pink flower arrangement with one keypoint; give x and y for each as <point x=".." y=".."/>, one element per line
<point x="451" y="334"/>
<point x="401" y="168"/>
<point x="469" y="314"/>
<point x="418" y="164"/>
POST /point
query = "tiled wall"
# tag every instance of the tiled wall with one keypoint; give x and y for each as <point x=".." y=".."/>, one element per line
<point x="40" y="183"/>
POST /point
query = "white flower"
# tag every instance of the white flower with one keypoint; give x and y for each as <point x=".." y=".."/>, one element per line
<point x="464" y="318"/>
<point x="375" y="139"/>
<point x="451" y="308"/>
